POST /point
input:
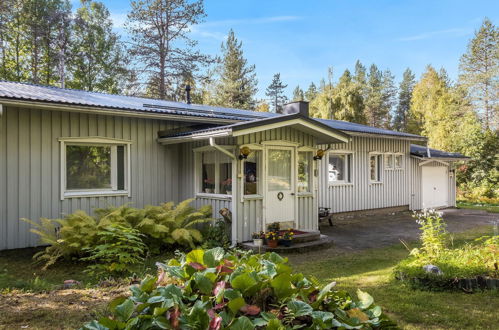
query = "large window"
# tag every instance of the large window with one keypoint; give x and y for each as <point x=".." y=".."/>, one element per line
<point x="304" y="171"/>
<point x="339" y="168"/>
<point x="375" y="165"/>
<point x="90" y="166"/>
<point x="252" y="173"/>
<point x="216" y="173"/>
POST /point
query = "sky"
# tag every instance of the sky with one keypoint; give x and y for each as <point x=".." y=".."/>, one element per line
<point x="301" y="39"/>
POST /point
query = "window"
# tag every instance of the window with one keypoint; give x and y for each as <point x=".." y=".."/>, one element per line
<point x="399" y="161"/>
<point x="304" y="171"/>
<point x="389" y="161"/>
<point x="252" y="173"/>
<point x="94" y="166"/>
<point x="339" y="168"/>
<point x="375" y="167"/>
<point x="279" y="170"/>
<point x="216" y="173"/>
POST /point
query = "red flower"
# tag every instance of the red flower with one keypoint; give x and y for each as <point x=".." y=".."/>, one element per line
<point x="197" y="266"/>
<point x="215" y="323"/>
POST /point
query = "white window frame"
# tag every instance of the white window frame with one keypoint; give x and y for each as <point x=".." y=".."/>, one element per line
<point x="260" y="165"/>
<point x="389" y="165"/>
<point x="379" y="166"/>
<point x="311" y="171"/>
<point x="349" y="172"/>
<point x="401" y="155"/>
<point x="198" y="175"/>
<point x="98" y="142"/>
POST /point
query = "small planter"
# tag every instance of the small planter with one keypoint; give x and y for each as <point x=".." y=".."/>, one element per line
<point x="285" y="242"/>
<point x="258" y="242"/>
<point x="208" y="190"/>
<point x="229" y="192"/>
<point x="272" y="243"/>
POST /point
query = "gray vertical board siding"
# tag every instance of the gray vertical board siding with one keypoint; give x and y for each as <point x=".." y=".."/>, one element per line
<point x="360" y="194"/>
<point x="416" y="181"/>
<point x="30" y="166"/>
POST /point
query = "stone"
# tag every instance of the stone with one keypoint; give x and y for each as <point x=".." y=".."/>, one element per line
<point x="432" y="269"/>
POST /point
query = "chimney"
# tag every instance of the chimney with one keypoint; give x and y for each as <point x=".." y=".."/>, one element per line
<point x="300" y="107"/>
<point x="188" y="93"/>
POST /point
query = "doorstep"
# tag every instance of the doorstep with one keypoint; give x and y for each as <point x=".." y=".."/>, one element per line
<point x="323" y="242"/>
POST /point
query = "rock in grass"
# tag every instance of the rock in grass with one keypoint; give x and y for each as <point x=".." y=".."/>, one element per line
<point x="432" y="269"/>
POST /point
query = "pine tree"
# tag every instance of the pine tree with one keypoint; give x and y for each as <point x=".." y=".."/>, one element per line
<point x="404" y="101"/>
<point x="360" y="78"/>
<point x="311" y="92"/>
<point x="298" y="94"/>
<point x="389" y="93"/>
<point x="348" y="101"/>
<point x="479" y="72"/>
<point x="275" y="91"/>
<point x="161" y="46"/>
<point x="237" y="81"/>
<point x="97" y="57"/>
<point x="374" y="97"/>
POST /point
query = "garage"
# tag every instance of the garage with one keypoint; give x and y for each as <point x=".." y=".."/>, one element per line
<point x="435" y="186"/>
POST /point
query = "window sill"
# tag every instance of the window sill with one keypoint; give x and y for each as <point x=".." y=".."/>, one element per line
<point x="305" y="194"/>
<point x="103" y="193"/>
<point x="340" y="184"/>
<point x="214" y="196"/>
<point x="252" y="197"/>
<point x="375" y="182"/>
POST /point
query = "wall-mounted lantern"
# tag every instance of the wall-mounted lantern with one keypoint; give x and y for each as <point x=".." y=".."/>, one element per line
<point x="319" y="154"/>
<point x="244" y="152"/>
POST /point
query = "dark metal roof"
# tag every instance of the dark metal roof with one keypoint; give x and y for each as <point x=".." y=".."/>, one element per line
<point x="256" y="123"/>
<point x="359" y="128"/>
<point x="31" y="92"/>
<point x="420" y="151"/>
<point x="46" y="94"/>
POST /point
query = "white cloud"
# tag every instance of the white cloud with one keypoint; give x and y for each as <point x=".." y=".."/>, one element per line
<point x="251" y="21"/>
<point x="456" y="32"/>
<point x="118" y="19"/>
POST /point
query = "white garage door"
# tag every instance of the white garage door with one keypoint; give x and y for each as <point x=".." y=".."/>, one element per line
<point x="435" y="187"/>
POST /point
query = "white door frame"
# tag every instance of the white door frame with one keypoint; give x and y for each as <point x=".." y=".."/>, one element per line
<point x="446" y="186"/>
<point x="280" y="145"/>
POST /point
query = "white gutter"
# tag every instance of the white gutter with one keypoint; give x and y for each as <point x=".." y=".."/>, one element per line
<point x="428" y="154"/>
<point x="219" y="148"/>
<point x="182" y="139"/>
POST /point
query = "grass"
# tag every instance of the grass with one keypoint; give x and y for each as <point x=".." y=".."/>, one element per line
<point x="24" y="302"/>
<point x="371" y="271"/>
<point x="492" y="208"/>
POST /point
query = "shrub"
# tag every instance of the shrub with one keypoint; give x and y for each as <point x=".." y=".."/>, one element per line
<point x="217" y="235"/>
<point x="474" y="259"/>
<point x="77" y="234"/>
<point x="213" y="289"/>
<point x="118" y="248"/>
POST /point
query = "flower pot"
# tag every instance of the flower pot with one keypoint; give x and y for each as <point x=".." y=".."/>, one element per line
<point x="286" y="242"/>
<point x="229" y="192"/>
<point x="208" y="190"/>
<point x="272" y="243"/>
<point x="258" y="241"/>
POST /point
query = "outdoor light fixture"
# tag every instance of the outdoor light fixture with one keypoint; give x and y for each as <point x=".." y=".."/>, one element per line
<point x="319" y="154"/>
<point x="244" y="152"/>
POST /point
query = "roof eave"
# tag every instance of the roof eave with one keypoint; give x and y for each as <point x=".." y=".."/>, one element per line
<point x="386" y="136"/>
<point x="447" y="159"/>
<point x="194" y="137"/>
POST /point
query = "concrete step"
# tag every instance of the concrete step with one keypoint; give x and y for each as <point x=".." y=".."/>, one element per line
<point x="323" y="242"/>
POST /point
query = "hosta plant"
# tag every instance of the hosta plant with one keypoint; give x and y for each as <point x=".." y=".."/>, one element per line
<point x="214" y="289"/>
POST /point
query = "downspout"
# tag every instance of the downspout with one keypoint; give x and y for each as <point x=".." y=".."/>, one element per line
<point x="234" y="200"/>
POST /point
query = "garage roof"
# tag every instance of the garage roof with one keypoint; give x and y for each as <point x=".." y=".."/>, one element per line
<point x="421" y="151"/>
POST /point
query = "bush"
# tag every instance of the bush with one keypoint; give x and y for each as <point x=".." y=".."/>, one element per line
<point x="77" y="235"/>
<point x="474" y="259"/>
<point x="218" y="290"/>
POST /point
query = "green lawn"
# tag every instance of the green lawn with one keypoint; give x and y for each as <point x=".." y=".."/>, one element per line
<point x="412" y="309"/>
<point x="492" y="208"/>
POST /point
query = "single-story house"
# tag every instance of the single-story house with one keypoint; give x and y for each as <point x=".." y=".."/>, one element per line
<point x="64" y="150"/>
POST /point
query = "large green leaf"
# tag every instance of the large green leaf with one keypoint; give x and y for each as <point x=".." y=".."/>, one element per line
<point x="242" y="323"/>
<point x="365" y="299"/>
<point x="243" y="282"/>
<point x="195" y="256"/>
<point x="203" y="283"/>
<point x="94" y="325"/>
<point x="148" y="284"/>
<point x="268" y="269"/>
<point x="282" y="285"/>
<point x="323" y="293"/>
<point x="125" y="310"/>
<point x="213" y="256"/>
<point x="275" y="324"/>
<point x="299" y="308"/>
<point x="236" y="304"/>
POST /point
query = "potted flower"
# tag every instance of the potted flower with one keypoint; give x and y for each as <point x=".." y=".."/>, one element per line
<point x="272" y="239"/>
<point x="274" y="226"/>
<point x="208" y="186"/>
<point x="287" y="237"/>
<point x="227" y="186"/>
<point x="258" y="238"/>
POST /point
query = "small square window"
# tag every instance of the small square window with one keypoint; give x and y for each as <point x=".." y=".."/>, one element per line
<point x="339" y="168"/>
<point x="389" y="161"/>
<point x="399" y="161"/>
<point x="304" y="171"/>
<point x="252" y="173"/>
<point x="216" y="173"/>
